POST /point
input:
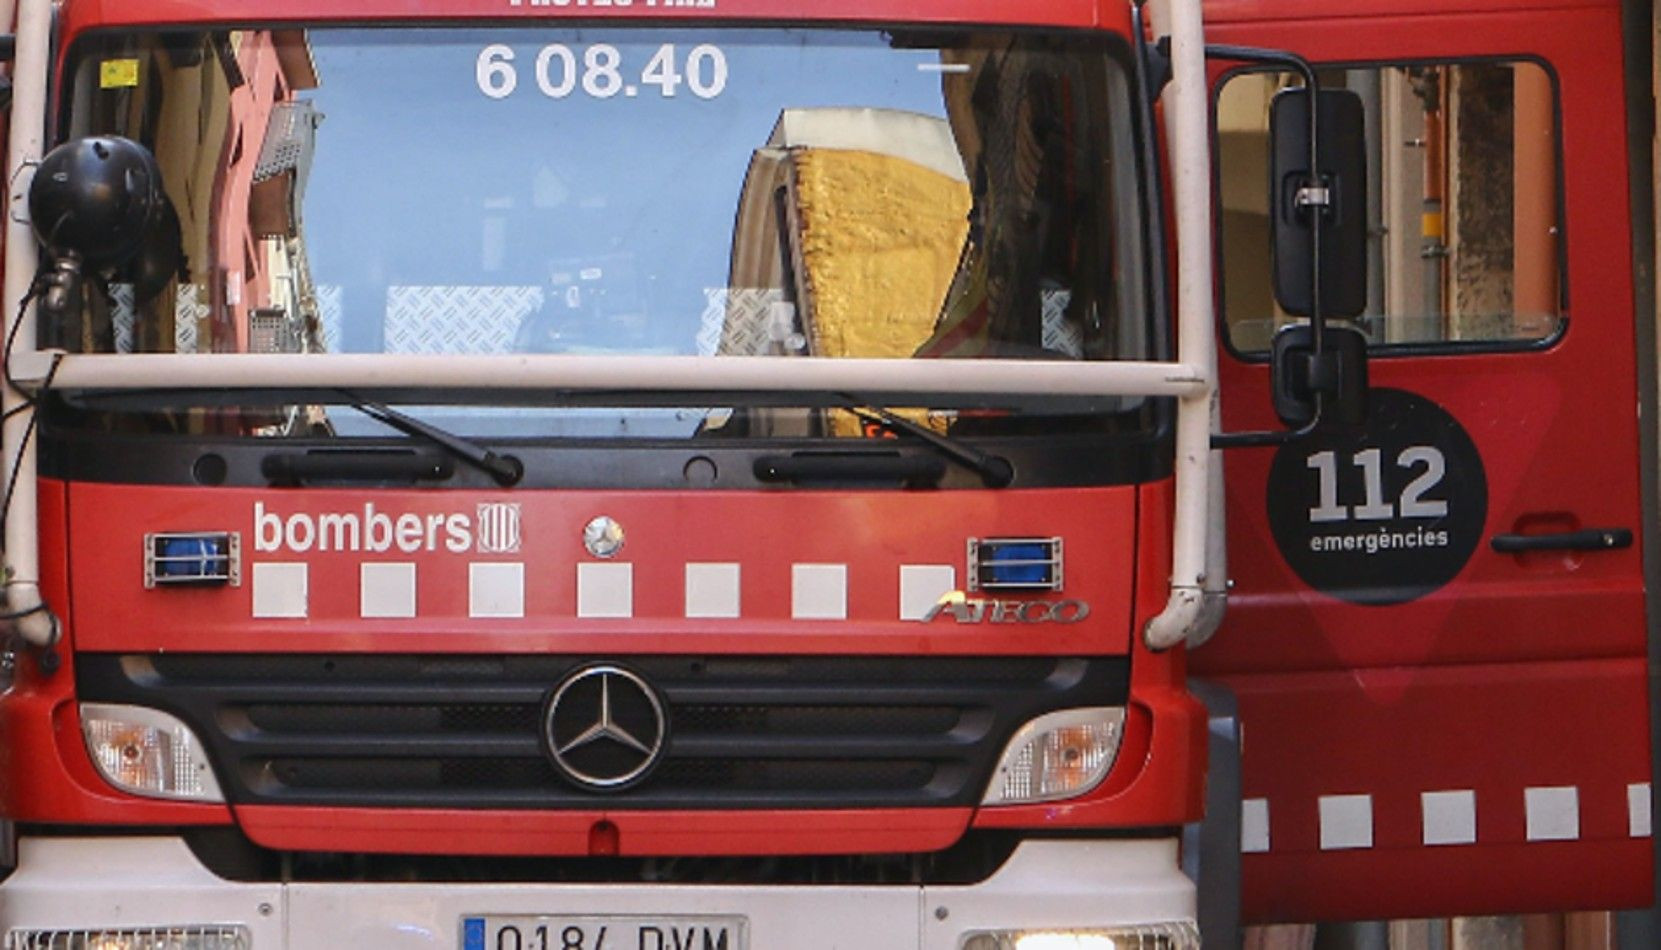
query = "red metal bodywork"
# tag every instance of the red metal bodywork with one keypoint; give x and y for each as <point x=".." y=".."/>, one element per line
<point x="89" y="14"/>
<point x="1524" y="672"/>
<point x="765" y="533"/>
<point x="1155" y="783"/>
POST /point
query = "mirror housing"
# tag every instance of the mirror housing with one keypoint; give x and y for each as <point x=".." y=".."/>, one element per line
<point x="1342" y="158"/>
<point x="1297" y="374"/>
<point x="96" y="200"/>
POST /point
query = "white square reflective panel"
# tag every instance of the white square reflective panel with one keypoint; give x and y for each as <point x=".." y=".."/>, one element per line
<point x="279" y="590"/>
<point x="495" y="589"/>
<point x="386" y="590"/>
<point x="1346" y="822"/>
<point x="712" y="590"/>
<point x="1254" y="825"/>
<point x="605" y="590"/>
<point x="922" y="586"/>
<point x="1553" y="813"/>
<point x="1449" y="817"/>
<point x="819" y="591"/>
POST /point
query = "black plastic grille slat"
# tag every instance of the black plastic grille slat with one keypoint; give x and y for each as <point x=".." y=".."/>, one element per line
<point x="326" y="718"/>
<point x="865" y="746"/>
<point x="266" y="745"/>
<point x="481" y="719"/>
<point x="528" y="775"/>
<point x="466" y="732"/>
<point x="816" y="720"/>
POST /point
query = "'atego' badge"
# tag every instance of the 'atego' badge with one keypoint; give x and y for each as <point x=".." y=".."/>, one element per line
<point x="1385" y="515"/>
<point x="978" y="610"/>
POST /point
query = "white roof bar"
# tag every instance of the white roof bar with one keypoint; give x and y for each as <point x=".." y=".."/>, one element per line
<point x="104" y="371"/>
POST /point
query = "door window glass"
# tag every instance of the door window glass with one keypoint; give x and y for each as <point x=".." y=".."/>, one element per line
<point x="1464" y="241"/>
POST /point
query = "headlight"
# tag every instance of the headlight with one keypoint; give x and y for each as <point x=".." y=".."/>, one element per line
<point x="147" y="752"/>
<point x="137" y="938"/>
<point x="1174" y="935"/>
<point x="1057" y="755"/>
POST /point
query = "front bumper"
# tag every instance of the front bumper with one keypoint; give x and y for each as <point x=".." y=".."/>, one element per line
<point x="75" y="883"/>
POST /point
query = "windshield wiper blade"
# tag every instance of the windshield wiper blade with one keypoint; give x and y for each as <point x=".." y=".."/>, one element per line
<point x="505" y="469"/>
<point x="995" y="471"/>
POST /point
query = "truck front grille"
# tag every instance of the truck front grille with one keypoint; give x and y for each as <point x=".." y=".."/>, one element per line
<point x="466" y="731"/>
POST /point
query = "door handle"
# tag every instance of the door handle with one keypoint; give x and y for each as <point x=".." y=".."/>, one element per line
<point x="1589" y="539"/>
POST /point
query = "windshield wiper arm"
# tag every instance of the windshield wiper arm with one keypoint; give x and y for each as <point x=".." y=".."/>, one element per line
<point x="994" y="470"/>
<point x="505" y="469"/>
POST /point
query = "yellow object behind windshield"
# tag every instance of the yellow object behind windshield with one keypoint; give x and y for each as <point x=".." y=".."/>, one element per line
<point x="880" y="240"/>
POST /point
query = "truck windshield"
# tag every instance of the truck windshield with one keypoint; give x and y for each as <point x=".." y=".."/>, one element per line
<point x="716" y="192"/>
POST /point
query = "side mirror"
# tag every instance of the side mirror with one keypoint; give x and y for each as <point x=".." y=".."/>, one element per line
<point x="96" y="200"/>
<point x="93" y="203"/>
<point x="1297" y="373"/>
<point x="1318" y="236"/>
<point x="1342" y="175"/>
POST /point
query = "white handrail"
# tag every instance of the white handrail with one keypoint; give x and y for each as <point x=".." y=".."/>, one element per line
<point x="1187" y="118"/>
<point x="655" y="373"/>
<point x="30" y="67"/>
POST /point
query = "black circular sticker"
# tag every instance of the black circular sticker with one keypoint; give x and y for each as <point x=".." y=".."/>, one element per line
<point x="1384" y="515"/>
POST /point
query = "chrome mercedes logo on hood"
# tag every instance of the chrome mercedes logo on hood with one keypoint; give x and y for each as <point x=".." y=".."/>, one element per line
<point x="604" y="727"/>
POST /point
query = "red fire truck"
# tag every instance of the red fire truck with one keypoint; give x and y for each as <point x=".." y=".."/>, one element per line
<point x="701" y="473"/>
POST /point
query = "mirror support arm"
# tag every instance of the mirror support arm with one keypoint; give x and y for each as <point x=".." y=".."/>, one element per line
<point x="1314" y="196"/>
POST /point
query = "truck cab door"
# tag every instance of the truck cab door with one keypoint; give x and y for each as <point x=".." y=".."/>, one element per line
<point x="1437" y="628"/>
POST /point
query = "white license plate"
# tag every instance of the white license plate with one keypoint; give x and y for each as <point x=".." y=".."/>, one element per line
<point x="604" y="932"/>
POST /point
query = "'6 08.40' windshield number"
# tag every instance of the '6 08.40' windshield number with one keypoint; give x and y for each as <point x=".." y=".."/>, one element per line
<point x="600" y="72"/>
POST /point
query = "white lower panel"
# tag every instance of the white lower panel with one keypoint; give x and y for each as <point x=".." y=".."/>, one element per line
<point x="155" y="882"/>
<point x="1061" y="885"/>
<point x="130" y="882"/>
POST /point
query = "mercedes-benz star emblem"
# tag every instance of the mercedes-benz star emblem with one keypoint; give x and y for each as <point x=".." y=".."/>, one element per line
<point x="604" y="727"/>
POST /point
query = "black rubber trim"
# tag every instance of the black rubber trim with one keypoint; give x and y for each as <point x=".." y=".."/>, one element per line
<point x="297" y="468"/>
<point x="1061" y="460"/>
<point x="840" y="468"/>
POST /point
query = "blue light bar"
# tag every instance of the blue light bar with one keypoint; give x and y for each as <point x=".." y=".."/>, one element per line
<point x="200" y="557"/>
<point x="1015" y="564"/>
